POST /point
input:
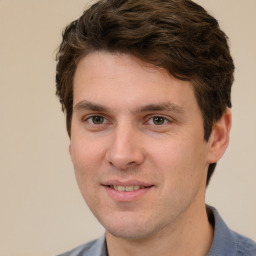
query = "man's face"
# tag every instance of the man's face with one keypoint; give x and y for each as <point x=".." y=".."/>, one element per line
<point x="137" y="145"/>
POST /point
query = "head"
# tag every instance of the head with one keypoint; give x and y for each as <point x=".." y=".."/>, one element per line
<point x="177" y="35"/>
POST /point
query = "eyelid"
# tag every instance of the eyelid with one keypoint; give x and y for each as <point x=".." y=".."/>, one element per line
<point x="167" y="119"/>
<point x="87" y="117"/>
<point x="107" y="119"/>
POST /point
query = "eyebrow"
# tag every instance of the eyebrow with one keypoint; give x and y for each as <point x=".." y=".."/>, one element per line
<point x="166" y="106"/>
<point x="87" y="105"/>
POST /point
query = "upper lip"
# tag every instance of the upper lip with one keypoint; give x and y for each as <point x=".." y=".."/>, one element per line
<point x="126" y="183"/>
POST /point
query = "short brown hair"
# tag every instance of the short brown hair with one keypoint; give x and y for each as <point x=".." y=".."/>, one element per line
<point x="178" y="35"/>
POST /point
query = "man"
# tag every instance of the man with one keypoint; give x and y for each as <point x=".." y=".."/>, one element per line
<point x="146" y="88"/>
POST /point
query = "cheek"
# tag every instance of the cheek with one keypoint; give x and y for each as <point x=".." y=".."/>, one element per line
<point x="85" y="152"/>
<point x="86" y="158"/>
<point x="86" y="164"/>
<point x="181" y="162"/>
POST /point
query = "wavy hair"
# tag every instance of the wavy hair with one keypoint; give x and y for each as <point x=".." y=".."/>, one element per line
<point x="178" y="35"/>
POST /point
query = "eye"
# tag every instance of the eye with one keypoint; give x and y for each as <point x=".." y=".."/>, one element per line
<point x="96" y="120"/>
<point x="158" y="120"/>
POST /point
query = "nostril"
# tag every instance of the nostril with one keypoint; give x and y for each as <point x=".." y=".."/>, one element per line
<point x="131" y="163"/>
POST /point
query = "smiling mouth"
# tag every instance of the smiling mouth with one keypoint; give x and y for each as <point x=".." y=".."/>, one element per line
<point x="126" y="188"/>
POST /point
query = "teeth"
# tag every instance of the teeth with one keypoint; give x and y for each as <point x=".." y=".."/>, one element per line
<point x="136" y="187"/>
<point x="127" y="188"/>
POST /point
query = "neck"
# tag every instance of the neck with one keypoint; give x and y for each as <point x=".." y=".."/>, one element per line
<point x="194" y="238"/>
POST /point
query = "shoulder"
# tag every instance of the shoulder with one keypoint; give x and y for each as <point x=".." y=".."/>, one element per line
<point x="226" y="242"/>
<point x="244" y="245"/>
<point x="92" y="248"/>
<point x="80" y="250"/>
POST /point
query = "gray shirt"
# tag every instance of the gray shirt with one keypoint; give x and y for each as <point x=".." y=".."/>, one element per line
<point x="225" y="242"/>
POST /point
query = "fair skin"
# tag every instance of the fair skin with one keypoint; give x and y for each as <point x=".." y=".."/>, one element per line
<point x="140" y="158"/>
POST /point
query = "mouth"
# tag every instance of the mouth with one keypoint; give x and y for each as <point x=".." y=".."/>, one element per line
<point x="127" y="188"/>
<point x="127" y="191"/>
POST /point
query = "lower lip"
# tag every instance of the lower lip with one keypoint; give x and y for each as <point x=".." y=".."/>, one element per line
<point x="126" y="196"/>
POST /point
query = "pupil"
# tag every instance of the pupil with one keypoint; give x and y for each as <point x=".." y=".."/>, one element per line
<point x="97" y="119"/>
<point x="158" y="120"/>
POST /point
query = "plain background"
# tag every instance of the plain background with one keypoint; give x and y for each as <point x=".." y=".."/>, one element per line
<point x="42" y="212"/>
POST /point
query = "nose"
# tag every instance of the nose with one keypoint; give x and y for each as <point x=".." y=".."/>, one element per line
<point x="125" y="149"/>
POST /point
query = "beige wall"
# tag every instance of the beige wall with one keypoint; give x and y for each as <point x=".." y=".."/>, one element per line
<point x="42" y="212"/>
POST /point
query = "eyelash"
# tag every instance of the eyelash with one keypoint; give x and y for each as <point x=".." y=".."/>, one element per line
<point x="162" y="118"/>
<point x="151" y="117"/>
<point x="95" y="116"/>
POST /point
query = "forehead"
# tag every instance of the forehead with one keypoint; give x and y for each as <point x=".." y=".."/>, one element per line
<point x="112" y="79"/>
<point x="105" y="65"/>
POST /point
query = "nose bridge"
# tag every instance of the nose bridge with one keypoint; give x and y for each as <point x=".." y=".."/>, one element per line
<point x="125" y="149"/>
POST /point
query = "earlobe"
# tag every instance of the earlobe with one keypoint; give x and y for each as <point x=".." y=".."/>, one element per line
<point x="219" y="138"/>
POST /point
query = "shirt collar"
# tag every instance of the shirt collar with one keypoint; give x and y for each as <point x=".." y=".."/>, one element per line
<point x="224" y="242"/>
<point x="99" y="248"/>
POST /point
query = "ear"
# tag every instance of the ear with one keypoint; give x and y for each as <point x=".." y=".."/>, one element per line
<point x="70" y="151"/>
<point x="219" y="138"/>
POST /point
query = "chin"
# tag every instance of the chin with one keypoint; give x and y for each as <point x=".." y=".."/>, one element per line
<point x="129" y="235"/>
<point x="133" y="231"/>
